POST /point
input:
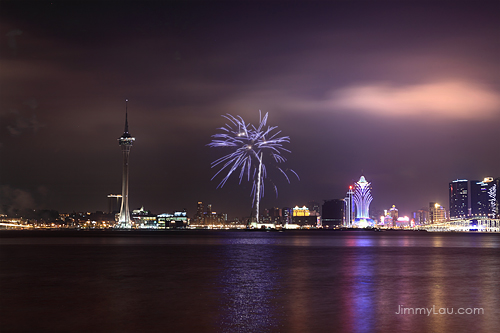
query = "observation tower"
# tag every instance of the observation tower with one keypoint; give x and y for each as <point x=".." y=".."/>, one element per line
<point x="125" y="141"/>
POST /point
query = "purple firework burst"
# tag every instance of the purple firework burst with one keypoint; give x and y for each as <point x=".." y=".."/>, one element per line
<point x="250" y="144"/>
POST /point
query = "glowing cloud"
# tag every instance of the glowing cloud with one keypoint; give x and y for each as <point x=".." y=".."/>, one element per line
<point x="450" y="99"/>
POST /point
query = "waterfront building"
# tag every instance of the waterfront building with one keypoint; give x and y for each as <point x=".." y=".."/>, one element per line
<point x="473" y="198"/>
<point x="125" y="141"/>
<point x="403" y="222"/>
<point x="114" y="203"/>
<point x="349" y="208"/>
<point x="198" y="218"/>
<point x="313" y="206"/>
<point x="332" y="213"/>
<point x="394" y="213"/>
<point x="497" y="197"/>
<point x="459" y="198"/>
<point x="362" y="198"/>
<point x="437" y="213"/>
<point x="143" y="219"/>
<point x="420" y="217"/>
<point x="274" y="216"/>
<point x="483" y="198"/>
<point x="286" y="215"/>
<point x="386" y="221"/>
<point x="300" y="211"/>
<point x="302" y="217"/>
<point x="199" y="208"/>
<point x="214" y="219"/>
<point x="177" y="220"/>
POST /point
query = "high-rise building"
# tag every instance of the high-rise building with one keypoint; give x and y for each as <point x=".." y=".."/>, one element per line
<point x="473" y="198"/>
<point x="437" y="213"/>
<point x="274" y="215"/>
<point x="114" y="203"/>
<point x="394" y="213"/>
<point x="313" y="206"/>
<point x="125" y="141"/>
<point x="497" y="197"/>
<point x="362" y="198"/>
<point x="420" y="217"/>
<point x="349" y="208"/>
<point x="332" y="213"/>
<point x="483" y="198"/>
<point x="199" y="218"/>
<point x="286" y="215"/>
<point x="459" y="198"/>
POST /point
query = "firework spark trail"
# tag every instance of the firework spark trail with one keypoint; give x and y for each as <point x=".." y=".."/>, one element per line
<point x="249" y="144"/>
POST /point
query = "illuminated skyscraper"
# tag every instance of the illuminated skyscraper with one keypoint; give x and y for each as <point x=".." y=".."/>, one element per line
<point x="394" y="213"/>
<point x="287" y="215"/>
<point x="459" y="198"/>
<point x="473" y="198"/>
<point x="349" y="208"/>
<point x="496" y="197"/>
<point x="362" y="198"/>
<point x="125" y="141"/>
<point x="483" y="197"/>
<point x="437" y="213"/>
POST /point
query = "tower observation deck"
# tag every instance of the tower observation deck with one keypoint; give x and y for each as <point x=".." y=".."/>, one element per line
<point x="125" y="141"/>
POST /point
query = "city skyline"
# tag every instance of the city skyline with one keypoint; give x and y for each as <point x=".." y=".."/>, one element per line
<point x="411" y="108"/>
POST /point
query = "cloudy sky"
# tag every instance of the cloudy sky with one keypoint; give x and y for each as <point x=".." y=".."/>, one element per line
<point x="407" y="93"/>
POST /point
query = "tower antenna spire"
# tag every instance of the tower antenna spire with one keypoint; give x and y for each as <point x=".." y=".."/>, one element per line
<point x="126" y="115"/>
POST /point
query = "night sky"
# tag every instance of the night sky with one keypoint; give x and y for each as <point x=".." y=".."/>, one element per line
<point x="406" y="92"/>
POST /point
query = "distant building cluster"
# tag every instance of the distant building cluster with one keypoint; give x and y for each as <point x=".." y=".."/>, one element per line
<point x="468" y="199"/>
<point x="207" y="217"/>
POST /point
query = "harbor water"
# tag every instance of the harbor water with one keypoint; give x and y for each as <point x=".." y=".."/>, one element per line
<point x="249" y="281"/>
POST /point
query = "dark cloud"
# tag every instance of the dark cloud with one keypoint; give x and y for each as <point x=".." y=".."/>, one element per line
<point x="14" y="199"/>
<point x="408" y="93"/>
<point x="12" y="40"/>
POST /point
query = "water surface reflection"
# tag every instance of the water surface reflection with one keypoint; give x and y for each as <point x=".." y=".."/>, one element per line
<point x="248" y="281"/>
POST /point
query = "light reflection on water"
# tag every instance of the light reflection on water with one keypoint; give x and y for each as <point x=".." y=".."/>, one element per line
<point x="359" y="295"/>
<point x="248" y="281"/>
<point x="288" y="238"/>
